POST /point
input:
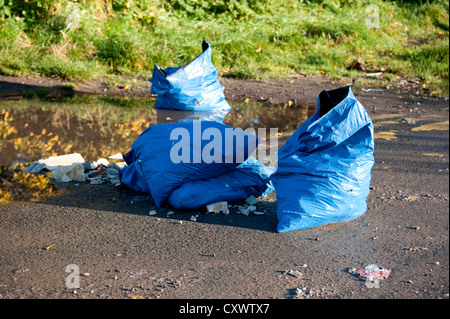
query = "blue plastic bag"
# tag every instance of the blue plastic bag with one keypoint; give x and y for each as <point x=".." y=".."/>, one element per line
<point x="324" y="168"/>
<point x="250" y="178"/>
<point x="191" y="87"/>
<point x="168" y="155"/>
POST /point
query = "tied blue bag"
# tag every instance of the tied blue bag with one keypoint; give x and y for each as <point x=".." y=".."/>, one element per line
<point x="168" y="155"/>
<point x="250" y="178"/>
<point x="190" y="87"/>
<point x="324" y="168"/>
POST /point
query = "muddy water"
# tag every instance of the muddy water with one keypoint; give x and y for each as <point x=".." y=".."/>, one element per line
<point x="100" y="126"/>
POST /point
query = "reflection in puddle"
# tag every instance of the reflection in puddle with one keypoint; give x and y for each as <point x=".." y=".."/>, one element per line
<point x="99" y="126"/>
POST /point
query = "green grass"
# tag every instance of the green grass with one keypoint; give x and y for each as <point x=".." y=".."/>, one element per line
<point x="249" y="39"/>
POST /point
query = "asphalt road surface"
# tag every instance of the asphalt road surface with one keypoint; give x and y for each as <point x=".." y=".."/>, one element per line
<point x="106" y="234"/>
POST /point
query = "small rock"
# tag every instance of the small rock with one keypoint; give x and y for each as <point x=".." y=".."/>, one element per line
<point x="251" y="200"/>
<point x="293" y="273"/>
<point x="251" y="208"/>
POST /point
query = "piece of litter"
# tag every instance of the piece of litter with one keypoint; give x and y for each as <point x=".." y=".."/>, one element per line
<point x="34" y="168"/>
<point x="193" y="218"/>
<point x="170" y="212"/>
<point x="374" y="74"/>
<point x="117" y="156"/>
<point x="251" y="200"/>
<point x="258" y="213"/>
<point x="408" y="120"/>
<point x="372" y="90"/>
<point x="251" y="208"/>
<point x="374" y="272"/>
<point x="218" y="207"/>
<point x="48" y="247"/>
<point x="152" y="212"/>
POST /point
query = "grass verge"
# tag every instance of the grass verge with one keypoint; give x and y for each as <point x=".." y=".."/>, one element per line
<point x="83" y="40"/>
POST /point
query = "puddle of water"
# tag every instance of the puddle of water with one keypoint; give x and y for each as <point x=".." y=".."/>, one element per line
<point x="99" y="126"/>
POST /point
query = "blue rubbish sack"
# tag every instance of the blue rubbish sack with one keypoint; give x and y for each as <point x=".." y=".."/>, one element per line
<point x="324" y="168"/>
<point x="190" y="87"/>
<point x="168" y="155"/>
<point x="250" y="178"/>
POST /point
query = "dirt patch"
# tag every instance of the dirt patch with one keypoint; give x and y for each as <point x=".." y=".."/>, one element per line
<point x="295" y="89"/>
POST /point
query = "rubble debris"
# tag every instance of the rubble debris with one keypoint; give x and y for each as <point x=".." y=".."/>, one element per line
<point x="117" y="156"/>
<point x="63" y="168"/>
<point x="34" y="168"/>
<point x="62" y="160"/>
<point x="252" y="200"/>
<point x="219" y="207"/>
<point x="74" y="172"/>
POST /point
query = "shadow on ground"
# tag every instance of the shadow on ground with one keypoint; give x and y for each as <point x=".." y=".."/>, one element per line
<point x="121" y="199"/>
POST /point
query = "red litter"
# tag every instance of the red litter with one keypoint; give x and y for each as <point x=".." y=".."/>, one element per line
<point x="374" y="272"/>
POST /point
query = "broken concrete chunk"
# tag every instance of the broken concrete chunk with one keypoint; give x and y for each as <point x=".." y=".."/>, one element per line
<point x="70" y="173"/>
<point x="63" y="160"/>
<point x="117" y="156"/>
<point x="251" y="208"/>
<point x="244" y="211"/>
<point x="218" y="207"/>
<point x="251" y="200"/>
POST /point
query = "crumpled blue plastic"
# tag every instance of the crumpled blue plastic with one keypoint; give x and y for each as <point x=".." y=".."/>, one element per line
<point x="191" y="87"/>
<point x="151" y="167"/>
<point x="251" y="178"/>
<point x="324" y="168"/>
